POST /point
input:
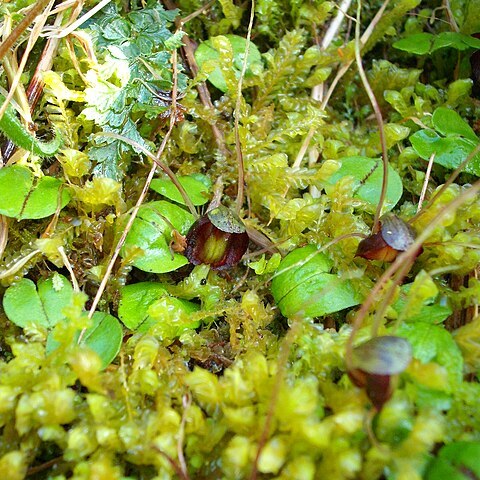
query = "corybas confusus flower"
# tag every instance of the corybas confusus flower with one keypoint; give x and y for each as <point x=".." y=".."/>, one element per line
<point x="218" y="238"/>
<point x="376" y="363"/>
<point x="395" y="236"/>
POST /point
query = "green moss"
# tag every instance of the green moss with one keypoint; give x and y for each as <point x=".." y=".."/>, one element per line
<point x="244" y="372"/>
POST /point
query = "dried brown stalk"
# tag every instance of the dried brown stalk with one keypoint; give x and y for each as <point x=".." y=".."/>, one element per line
<point x="29" y="18"/>
<point x="378" y="117"/>
<point x="140" y="200"/>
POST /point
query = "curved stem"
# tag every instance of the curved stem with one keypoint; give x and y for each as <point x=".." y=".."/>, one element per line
<point x="22" y="26"/>
<point x="238" y="146"/>
<point x="450" y="180"/>
<point x="139" y="202"/>
<point x="157" y="162"/>
<point x="404" y="258"/>
<point x="378" y="117"/>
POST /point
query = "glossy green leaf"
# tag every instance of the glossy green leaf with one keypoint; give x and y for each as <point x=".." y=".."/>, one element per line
<point x="457" y="461"/>
<point x="432" y="343"/>
<point x="144" y="304"/>
<point x="197" y="187"/>
<point x="448" y="122"/>
<point x="303" y="285"/>
<point x="206" y="52"/>
<point x="104" y="337"/>
<point x="418" y="43"/>
<point x="450" y="152"/>
<point x="423" y="43"/>
<point x="151" y="234"/>
<point x="25" y="303"/>
<point x="367" y="174"/>
<point x="456" y="40"/>
<point x="135" y="300"/>
<point x="25" y="197"/>
<point x="412" y="308"/>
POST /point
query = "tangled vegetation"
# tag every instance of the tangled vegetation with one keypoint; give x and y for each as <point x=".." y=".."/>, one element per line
<point x="145" y="145"/>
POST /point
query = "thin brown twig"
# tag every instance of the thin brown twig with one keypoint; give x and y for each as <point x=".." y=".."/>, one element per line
<point x="238" y="103"/>
<point x="198" y="12"/>
<point x="378" y="117"/>
<point x="341" y="72"/>
<point x="77" y="23"/>
<point x="451" y="17"/>
<point x="425" y="182"/>
<point x="40" y="468"/>
<point x="35" y="87"/>
<point x="188" y="50"/>
<point x="449" y="182"/>
<point x="36" y="84"/>
<point x="68" y="266"/>
<point x="172" y="463"/>
<point x="22" y="26"/>
<point x="30" y="44"/>
<point x="140" y="200"/>
<point x="402" y="259"/>
<point x="3" y="230"/>
<point x="318" y="90"/>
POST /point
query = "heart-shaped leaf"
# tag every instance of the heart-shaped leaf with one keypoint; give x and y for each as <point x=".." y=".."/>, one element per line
<point x="197" y="187"/>
<point x="25" y="303"/>
<point x="367" y="174"/>
<point x="207" y="52"/>
<point x="448" y="122"/>
<point x="304" y="285"/>
<point x="423" y="43"/>
<point x="151" y="232"/>
<point x="25" y="197"/>
<point x="457" y="461"/>
<point x="104" y="337"/>
<point x="449" y="152"/>
<point x="145" y="304"/>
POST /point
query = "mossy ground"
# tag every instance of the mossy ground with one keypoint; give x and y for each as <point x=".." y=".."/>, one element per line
<point x="227" y="378"/>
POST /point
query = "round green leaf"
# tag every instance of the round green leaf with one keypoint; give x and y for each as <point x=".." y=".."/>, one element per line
<point x="450" y="152"/>
<point x="418" y="43"/>
<point x="206" y="52"/>
<point x="25" y="303"/>
<point x="15" y="185"/>
<point x="104" y="337"/>
<point x="23" y="197"/>
<point x="434" y="343"/>
<point x="152" y="234"/>
<point x="448" y="122"/>
<point x="303" y="285"/>
<point x="367" y="174"/>
<point x="457" y="461"/>
<point x="145" y="304"/>
<point x="135" y="300"/>
<point x="197" y="188"/>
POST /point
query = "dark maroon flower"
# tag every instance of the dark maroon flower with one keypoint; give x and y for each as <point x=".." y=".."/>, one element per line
<point x="395" y="236"/>
<point x="374" y="364"/>
<point x="218" y="239"/>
